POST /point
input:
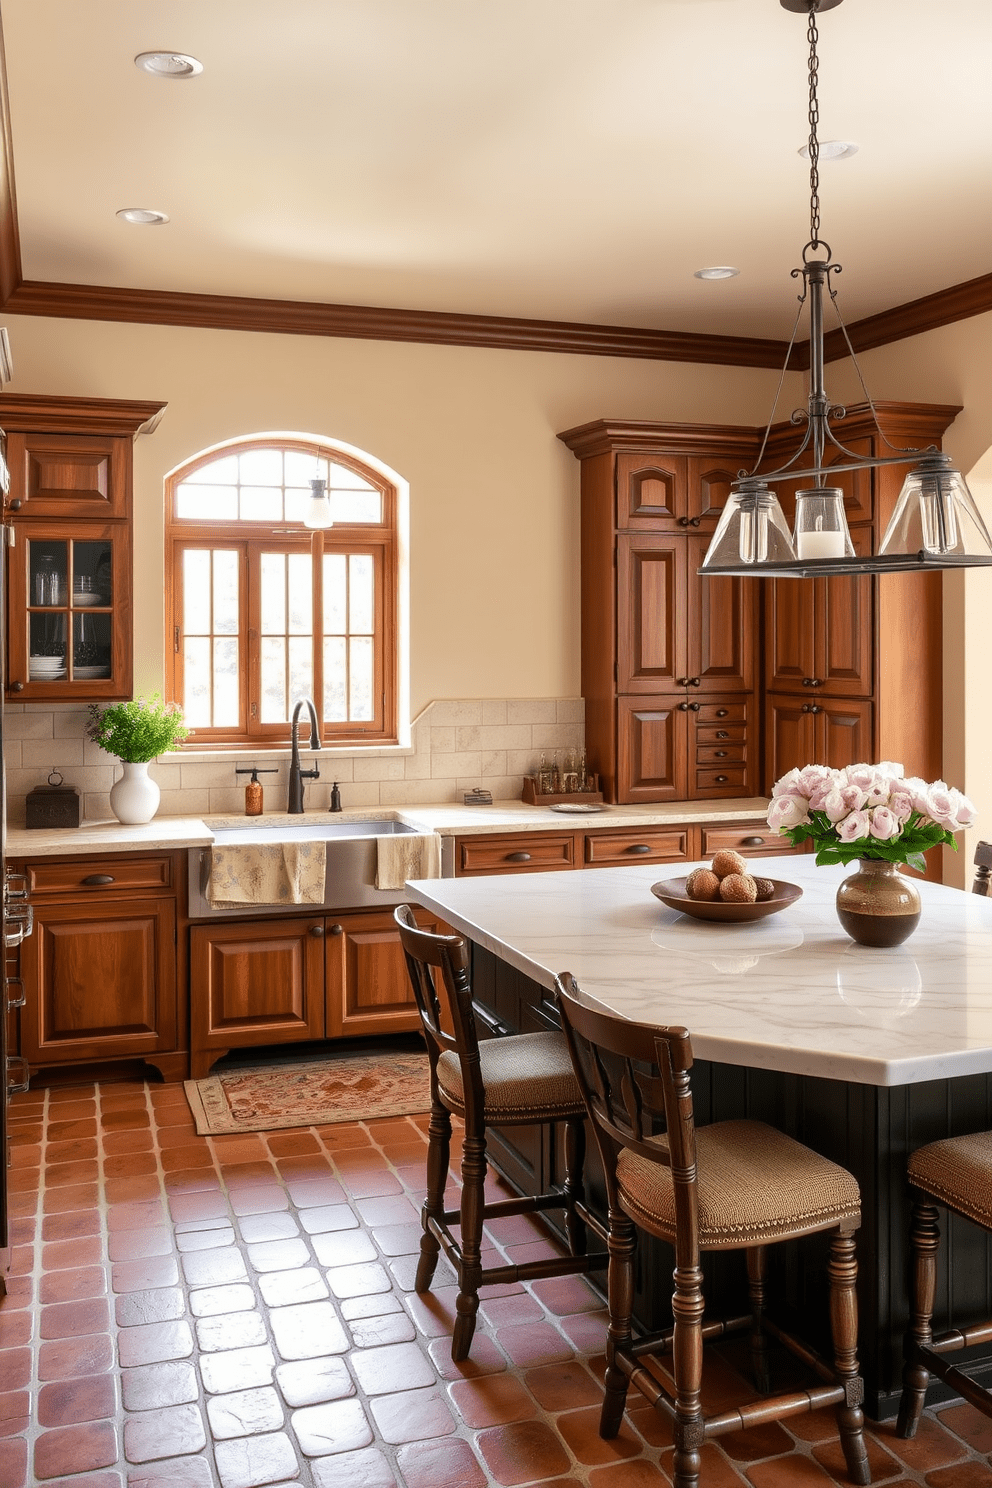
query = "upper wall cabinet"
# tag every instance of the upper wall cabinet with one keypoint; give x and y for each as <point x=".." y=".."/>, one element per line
<point x="69" y="590"/>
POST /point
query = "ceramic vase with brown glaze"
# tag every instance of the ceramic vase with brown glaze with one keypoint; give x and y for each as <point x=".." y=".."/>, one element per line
<point x="877" y="906"/>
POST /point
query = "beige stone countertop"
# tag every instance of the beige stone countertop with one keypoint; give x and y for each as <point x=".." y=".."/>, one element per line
<point x="446" y="818"/>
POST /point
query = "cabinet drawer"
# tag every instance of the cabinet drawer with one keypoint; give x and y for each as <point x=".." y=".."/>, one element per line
<point x="721" y="781"/>
<point x="536" y="851"/>
<point x="723" y="733"/>
<point x="604" y="849"/>
<point x="100" y="875"/>
<point x="722" y="713"/>
<point x="716" y="754"/>
<point x="754" y="841"/>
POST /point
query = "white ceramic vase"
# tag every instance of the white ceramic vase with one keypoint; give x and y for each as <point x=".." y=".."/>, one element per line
<point x="134" y="798"/>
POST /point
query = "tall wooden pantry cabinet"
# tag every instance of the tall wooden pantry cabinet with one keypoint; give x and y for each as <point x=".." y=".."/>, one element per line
<point x="701" y="688"/>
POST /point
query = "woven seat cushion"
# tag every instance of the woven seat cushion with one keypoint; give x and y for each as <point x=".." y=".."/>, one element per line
<point x="957" y="1172"/>
<point x="755" y="1186"/>
<point x="526" y="1077"/>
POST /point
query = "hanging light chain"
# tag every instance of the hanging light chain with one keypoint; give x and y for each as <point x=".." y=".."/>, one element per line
<point x="814" y="120"/>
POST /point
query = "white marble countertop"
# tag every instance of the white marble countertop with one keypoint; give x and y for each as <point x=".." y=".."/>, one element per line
<point x="446" y="818"/>
<point x="790" y="992"/>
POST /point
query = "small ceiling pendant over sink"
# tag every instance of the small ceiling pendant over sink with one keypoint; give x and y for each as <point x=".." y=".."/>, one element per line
<point x="936" y="523"/>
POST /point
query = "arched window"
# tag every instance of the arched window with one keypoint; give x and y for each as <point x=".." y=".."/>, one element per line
<point x="264" y="611"/>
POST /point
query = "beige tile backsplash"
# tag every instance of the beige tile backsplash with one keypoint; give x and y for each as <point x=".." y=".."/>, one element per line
<point x="457" y="745"/>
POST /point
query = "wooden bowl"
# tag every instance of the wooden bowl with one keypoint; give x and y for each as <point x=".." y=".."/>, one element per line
<point x="671" y="891"/>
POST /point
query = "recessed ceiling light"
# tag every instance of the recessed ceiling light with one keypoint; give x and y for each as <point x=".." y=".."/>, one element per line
<point x="146" y="216"/>
<point x="832" y="150"/>
<point x="168" y="64"/>
<point x="718" y="271"/>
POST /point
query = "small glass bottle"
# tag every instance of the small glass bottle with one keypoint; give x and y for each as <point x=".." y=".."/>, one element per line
<point x="555" y="775"/>
<point x="583" y="784"/>
<point x="543" y="776"/>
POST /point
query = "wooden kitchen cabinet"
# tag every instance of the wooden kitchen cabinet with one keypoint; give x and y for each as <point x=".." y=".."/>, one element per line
<point x="100" y="972"/>
<point x="70" y="570"/>
<point x="678" y="747"/>
<point x="287" y="980"/>
<point x="657" y="641"/>
<point x="514" y="852"/>
<point x="801" y="731"/>
<point x="257" y="983"/>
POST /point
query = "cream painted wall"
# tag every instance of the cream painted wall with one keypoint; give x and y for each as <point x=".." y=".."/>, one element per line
<point x="954" y="365"/>
<point x="493" y="493"/>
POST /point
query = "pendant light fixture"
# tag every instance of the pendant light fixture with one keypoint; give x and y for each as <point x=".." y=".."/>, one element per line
<point x="318" y="512"/>
<point x="935" y="524"/>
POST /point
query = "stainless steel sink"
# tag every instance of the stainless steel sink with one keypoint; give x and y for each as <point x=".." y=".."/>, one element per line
<point x="351" y="864"/>
<point x="308" y="831"/>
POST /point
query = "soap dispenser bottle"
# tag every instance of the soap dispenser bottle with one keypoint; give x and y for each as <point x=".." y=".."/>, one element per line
<point x="335" y="798"/>
<point x="253" y="790"/>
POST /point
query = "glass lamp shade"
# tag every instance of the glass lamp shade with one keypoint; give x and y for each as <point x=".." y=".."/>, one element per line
<point x="936" y="513"/>
<point x="752" y="529"/>
<point x="821" y="524"/>
<point x="318" y="512"/>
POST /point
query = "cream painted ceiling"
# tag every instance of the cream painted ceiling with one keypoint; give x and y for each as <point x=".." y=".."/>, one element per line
<point x="558" y="159"/>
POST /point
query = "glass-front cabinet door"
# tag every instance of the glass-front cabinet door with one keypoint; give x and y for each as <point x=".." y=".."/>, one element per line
<point x="69" y="611"/>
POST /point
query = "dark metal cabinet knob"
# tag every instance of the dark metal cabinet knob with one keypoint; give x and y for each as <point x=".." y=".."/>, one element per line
<point x="694" y="707"/>
<point x="722" y="779"/>
<point x="807" y="708"/>
<point x="752" y="842"/>
<point x="681" y="681"/>
<point x="17" y="686"/>
<point x="683" y="707"/>
<point x="719" y="754"/>
<point x="695" y="681"/>
<point x="517" y="857"/>
<point x="638" y="847"/>
<point x="694" y="522"/>
<point x="722" y="734"/>
<point x="683" y="521"/>
<point x="722" y="712"/>
<point x="97" y="880"/>
<point x="317" y="931"/>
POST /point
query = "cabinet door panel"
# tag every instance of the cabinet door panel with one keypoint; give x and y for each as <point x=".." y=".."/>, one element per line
<point x="790" y="635"/>
<point x="651" y="600"/>
<point x="788" y="737"/>
<point x="652" y="751"/>
<point x="258" y="983"/>
<point x="845" y="629"/>
<point x="103" y="980"/>
<point x="69" y="475"/>
<point x="651" y="490"/>
<point x="844" y="733"/>
<point x="721" y="620"/>
<point x="709" y="483"/>
<point x="367" y="982"/>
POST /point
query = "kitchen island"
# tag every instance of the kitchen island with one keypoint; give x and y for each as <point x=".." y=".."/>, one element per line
<point x="862" y="1054"/>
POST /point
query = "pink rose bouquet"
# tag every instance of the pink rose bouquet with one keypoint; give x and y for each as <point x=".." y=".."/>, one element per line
<point x="867" y="811"/>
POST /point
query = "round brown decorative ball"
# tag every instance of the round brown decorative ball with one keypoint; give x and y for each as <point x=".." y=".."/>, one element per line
<point x="766" y="889"/>
<point x="738" y="888"/>
<point x="702" y="884"/>
<point x="725" y="862"/>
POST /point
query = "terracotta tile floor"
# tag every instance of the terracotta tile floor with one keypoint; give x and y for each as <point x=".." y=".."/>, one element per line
<point x="187" y="1312"/>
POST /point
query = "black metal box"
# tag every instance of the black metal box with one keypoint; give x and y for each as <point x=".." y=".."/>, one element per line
<point x="52" y="806"/>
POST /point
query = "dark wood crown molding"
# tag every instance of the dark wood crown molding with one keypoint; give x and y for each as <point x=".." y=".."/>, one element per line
<point x="604" y="436"/>
<point x="370" y="322"/>
<point x="31" y="413"/>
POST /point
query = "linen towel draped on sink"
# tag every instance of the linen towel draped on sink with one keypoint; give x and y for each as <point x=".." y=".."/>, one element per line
<point x="407" y="855"/>
<point x="267" y="873"/>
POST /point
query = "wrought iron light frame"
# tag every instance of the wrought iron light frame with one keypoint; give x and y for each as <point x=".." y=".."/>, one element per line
<point x="935" y="506"/>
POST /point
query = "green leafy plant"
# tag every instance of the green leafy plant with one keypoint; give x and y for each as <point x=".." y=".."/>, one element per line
<point x="138" y="731"/>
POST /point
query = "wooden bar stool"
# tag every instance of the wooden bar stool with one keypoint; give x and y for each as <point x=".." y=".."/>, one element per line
<point x="512" y="1081"/>
<point x="956" y="1174"/>
<point x="753" y="1187"/>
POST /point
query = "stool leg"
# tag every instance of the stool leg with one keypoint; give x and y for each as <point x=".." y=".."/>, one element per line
<point x="575" y="1157"/>
<point x="473" y="1213"/>
<point x="842" y="1274"/>
<point x="620" y="1297"/>
<point x="438" y="1152"/>
<point x="924" y="1241"/>
<point x="687" y="1369"/>
<point x="757" y="1273"/>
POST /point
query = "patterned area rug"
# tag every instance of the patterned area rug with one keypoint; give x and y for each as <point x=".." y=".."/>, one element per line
<point x="349" y="1087"/>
